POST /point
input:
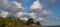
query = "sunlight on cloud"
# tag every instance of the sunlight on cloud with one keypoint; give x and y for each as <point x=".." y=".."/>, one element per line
<point x="32" y="15"/>
<point x="36" y="5"/>
<point x="12" y="8"/>
<point x="4" y="14"/>
<point x="19" y="14"/>
<point x="17" y="4"/>
<point x="24" y="18"/>
<point x="46" y="13"/>
<point x="37" y="8"/>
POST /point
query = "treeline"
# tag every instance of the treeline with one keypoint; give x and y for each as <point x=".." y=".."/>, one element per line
<point x="15" y="22"/>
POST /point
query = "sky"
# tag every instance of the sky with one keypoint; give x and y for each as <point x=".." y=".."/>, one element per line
<point x="45" y="11"/>
<point x="54" y="9"/>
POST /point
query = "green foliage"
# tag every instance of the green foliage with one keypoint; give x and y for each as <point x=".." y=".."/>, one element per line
<point x="30" y="21"/>
<point x="15" y="22"/>
<point x="2" y="22"/>
<point x="10" y="22"/>
<point x="38" y="23"/>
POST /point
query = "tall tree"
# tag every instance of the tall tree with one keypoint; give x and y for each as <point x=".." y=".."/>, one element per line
<point x="38" y="24"/>
<point x="30" y="21"/>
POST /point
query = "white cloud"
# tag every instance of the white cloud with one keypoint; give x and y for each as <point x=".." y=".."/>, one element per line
<point x="32" y="15"/>
<point x="46" y="13"/>
<point x="19" y="14"/>
<point x="18" y="5"/>
<point x="12" y="8"/>
<point x="4" y="14"/>
<point x="15" y="9"/>
<point x="24" y="19"/>
<point x="36" y="6"/>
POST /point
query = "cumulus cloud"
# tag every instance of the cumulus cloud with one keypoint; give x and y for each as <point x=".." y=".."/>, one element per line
<point x="39" y="11"/>
<point x="32" y="15"/>
<point x="19" y="14"/>
<point x="12" y="8"/>
<point x="4" y="14"/>
<point x="24" y="18"/>
<point x="15" y="9"/>
<point x="28" y="15"/>
<point x="36" y="6"/>
<point x="46" y="13"/>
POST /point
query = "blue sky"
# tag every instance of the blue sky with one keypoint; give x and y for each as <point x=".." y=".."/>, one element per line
<point x="54" y="9"/>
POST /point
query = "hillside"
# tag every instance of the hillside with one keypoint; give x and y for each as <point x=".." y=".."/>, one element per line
<point x="16" y="22"/>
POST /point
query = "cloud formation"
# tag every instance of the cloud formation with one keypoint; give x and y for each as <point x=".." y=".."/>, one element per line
<point x="19" y="14"/>
<point x="4" y="14"/>
<point x="12" y="8"/>
<point x="36" y="6"/>
<point x="39" y="11"/>
<point x="15" y="9"/>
